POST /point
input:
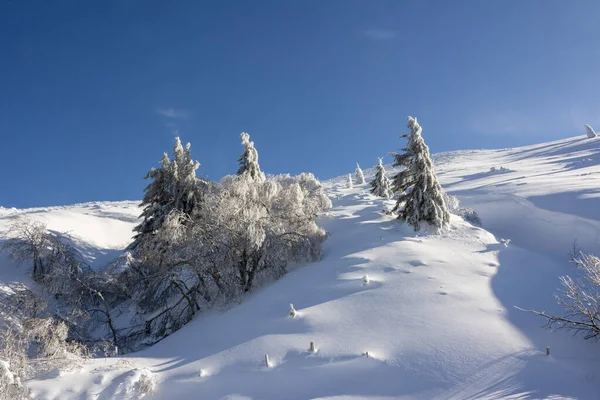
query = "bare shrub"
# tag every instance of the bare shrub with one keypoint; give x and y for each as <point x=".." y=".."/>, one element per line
<point x="580" y="300"/>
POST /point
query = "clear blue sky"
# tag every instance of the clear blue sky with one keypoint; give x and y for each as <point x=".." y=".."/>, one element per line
<point x="93" y="92"/>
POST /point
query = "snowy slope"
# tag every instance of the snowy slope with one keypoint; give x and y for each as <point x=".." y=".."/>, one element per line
<point x="437" y="316"/>
<point x="99" y="230"/>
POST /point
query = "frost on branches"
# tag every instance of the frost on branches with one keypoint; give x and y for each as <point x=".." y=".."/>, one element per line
<point x="421" y="198"/>
<point x="359" y="176"/>
<point x="381" y="185"/>
<point x="174" y="186"/>
<point x="248" y="161"/>
<point x="591" y="133"/>
<point x="246" y="234"/>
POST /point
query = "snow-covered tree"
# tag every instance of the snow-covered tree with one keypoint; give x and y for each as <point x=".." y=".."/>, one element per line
<point x="421" y="198"/>
<point x="591" y="133"/>
<point x="174" y="186"/>
<point x="248" y="161"/>
<point x="381" y="185"/>
<point x="349" y="184"/>
<point x="188" y="189"/>
<point x="359" y="176"/>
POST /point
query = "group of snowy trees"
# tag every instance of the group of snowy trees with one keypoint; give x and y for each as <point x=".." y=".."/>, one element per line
<point x="206" y="243"/>
<point x="420" y="198"/>
<point x="200" y="244"/>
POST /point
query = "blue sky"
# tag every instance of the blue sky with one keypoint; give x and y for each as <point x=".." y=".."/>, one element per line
<point x="93" y="92"/>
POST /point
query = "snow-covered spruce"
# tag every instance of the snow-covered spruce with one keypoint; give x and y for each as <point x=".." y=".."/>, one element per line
<point x="591" y="133"/>
<point x="174" y="186"/>
<point x="381" y="185"/>
<point x="359" y="176"/>
<point x="421" y="198"/>
<point x="350" y="184"/>
<point x="249" y="160"/>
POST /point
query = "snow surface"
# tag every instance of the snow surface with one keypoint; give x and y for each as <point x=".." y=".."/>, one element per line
<point x="437" y="315"/>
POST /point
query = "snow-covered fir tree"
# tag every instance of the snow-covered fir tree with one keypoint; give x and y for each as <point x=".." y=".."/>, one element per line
<point x="359" y="176"/>
<point x="174" y="186"/>
<point x="421" y="198"/>
<point x="591" y="133"/>
<point x="349" y="184"/>
<point x="249" y="160"/>
<point x="188" y="189"/>
<point x="381" y="185"/>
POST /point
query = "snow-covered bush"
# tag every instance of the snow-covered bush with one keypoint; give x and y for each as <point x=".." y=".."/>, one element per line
<point x="590" y="132"/>
<point x="13" y="365"/>
<point x="420" y="195"/>
<point x="29" y="241"/>
<point x="381" y="185"/>
<point x="467" y="214"/>
<point x="580" y="300"/>
<point x="11" y="387"/>
<point x="31" y="345"/>
<point x="501" y="169"/>
<point x="359" y="176"/>
<point x="145" y="384"/>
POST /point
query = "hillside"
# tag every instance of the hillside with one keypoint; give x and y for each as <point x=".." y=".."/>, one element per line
<point x="437" y="316"/>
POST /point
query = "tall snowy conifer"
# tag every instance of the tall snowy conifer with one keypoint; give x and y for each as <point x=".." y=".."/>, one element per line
<point x="349" y="185"/>
<point x="248" y="161"/>
<point x="188" y="189"/>
<point x="417" y="185"/>
<point x="381" y="185"/>
<point x="359" y="176"/>
<point x="174" y="186"/>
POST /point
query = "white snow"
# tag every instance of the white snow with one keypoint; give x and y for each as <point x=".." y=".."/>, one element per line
<point x="435" y="313"/>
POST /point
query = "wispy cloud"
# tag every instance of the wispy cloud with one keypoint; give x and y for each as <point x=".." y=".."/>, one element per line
<point x="173" y="118"/>
<point x="173" y="113"/>
<point x="380" y="34"/>
<point x="501" y="122"/>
